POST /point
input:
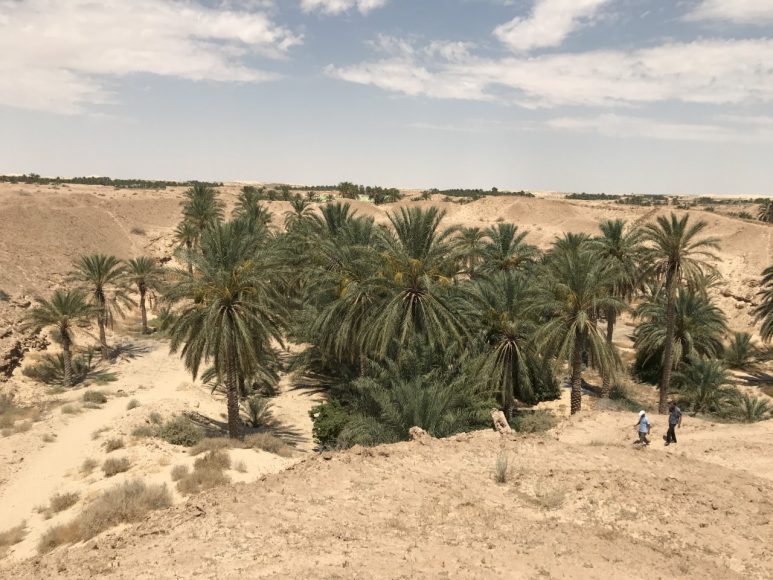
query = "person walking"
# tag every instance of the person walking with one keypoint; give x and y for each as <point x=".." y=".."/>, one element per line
<point x="644" y="428"/>
<point x="674" y="421"/>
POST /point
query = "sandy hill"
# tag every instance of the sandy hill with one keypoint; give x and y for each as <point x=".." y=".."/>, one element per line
<point x="582" y="503"/>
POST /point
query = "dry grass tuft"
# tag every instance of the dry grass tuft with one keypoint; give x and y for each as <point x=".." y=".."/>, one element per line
<point x="48" y="438"/>
<point x="96" y="434"/>
<point x="88" y="466"/>
<point x="113" y="444"/>
<point x="115" y="465"/>
<point x="240" y="467"/>
<point x="179" y="471"/>
<point x="126" y="503"/>
<point x="95" y="397"/>
<point x="71" y="409"/>
<point x="268" y="442"/>
<point x="22" y="427"/>
<point x="133" y="404"/>
<point x="501" y="467"/>
<point x="207" y="473"/>
<point x="210" y="444"/>
<point x="58" y="503"/>
<point x="12" y="537"/>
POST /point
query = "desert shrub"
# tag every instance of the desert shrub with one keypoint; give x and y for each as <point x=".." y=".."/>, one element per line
<point x="88" y="466"/>
<point x="240" y="466"/>
<point x="268" y="442"/>
<point x="537" y="421"/>
<point x="98" y="433"/>
<point x="329" y="419"/>
<point x="126" y="503"/>
<point x="207" y="473"/>
<point x="745" y="215"/>
<point x="180" y="430"/>
<point x="22" y="427"/>
<point x="133" y="404"/>
<point x="7" y="404"/>
<point x="115" y="465"/>
<point x="258" y="410"/>
<point x="155" y="418"/>
<point x="210" y="444"/>
<point x="62" y="501"/>
<point x="6" y="432"/>
<point x="12" y="536"/>
<point x="501" y="467"/>
<point x="48" y="438"/>
<point x="96" y="397"/>
<point x="113" y="444"/>
<point x="71" y="409"/>
<point x="179" y="471"/>
<point x="144" y="431"/>
<point x="137" y="231"/>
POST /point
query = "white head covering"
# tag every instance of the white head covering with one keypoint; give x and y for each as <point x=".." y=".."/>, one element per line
<point x="641" y="413"/>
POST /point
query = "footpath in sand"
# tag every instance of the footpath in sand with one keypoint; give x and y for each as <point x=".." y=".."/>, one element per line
<point x="34" y="470"/>
<point x="581" y="503"/>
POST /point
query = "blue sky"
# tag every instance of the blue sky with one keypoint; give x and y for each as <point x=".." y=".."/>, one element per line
<point x="569" y="95"/>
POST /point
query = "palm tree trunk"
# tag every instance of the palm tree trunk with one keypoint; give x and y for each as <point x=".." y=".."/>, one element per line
<point x="143" y="311"/>
<point x="668" y="348"/>
<point x="189" y="247"/>
<point x="577" y="375"/>
<point x="67" y="361"/>
<point x="232" y="391"/>
<point x="606" y="387"/>
<point x="103" y="336"/>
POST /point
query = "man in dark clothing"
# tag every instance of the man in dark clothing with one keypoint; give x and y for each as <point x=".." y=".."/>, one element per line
<point x="674" y="421"/>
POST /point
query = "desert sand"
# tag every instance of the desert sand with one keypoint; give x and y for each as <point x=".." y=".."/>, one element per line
<point x="580" y="501"/>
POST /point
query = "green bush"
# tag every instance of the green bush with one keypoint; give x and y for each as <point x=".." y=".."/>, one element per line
<point x="537" y="421"/>
<point x="329" y="421"/>
<point x="180" y="430"/>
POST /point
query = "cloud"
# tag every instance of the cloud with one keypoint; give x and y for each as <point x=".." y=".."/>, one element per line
<point x="549" y="23"/>
<point x="62" y="56"/>
<point x="728" y="129"/>
<point x="717" y="72"/>
<point x="338" y="6"/>
<point x="758" y="12"/>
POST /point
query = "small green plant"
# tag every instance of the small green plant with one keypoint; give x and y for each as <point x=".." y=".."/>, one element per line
<point x="133" y="404"/>
<point x="115" y="465"/>
<point x="113" y="444"/>
<point x="95" y="397"/>
<point x="501" y="467"/>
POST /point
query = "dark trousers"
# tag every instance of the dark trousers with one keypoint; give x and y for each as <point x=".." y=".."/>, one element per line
<point x="671" y="435"/>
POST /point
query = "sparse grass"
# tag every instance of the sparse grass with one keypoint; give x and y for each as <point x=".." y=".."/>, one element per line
<point x="144" y="431"/>
<point x="71" y="409"/>
<point x="133" y="404"/>
<point x="62" y="501"/>
<point x="88" y="466"/>
<point x="48" y="438"/>
<point x="210" y="444"/>
<point x="6" y="432"/>
<point x="12" y="537"/>
<point x="549" y="498"/>
<point x="113" y="444"/>
<point x="267" y="442"/>
<point x="240" y="466"/>
<point x="98" y="433"/>
<point x="125" y="503"/>
<point x="207" y="473"/>
<point x="14" y="418"/>
<point x="115" y="465"/>
<point x="534" y="421"/>
<point x="91" y="406"/>
<point x="179" y="471"/>
<point x="502" y="467"/>
<point x="95" y="397"/>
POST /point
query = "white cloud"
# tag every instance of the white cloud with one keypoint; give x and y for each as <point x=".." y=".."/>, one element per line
<point x="338" y="6"/>
<point x="736" y="129"/>
<point x="62" y="55"/>
<point x="759" y="12"/>
<point x="549" y="23"/>
<point x="709" y="72"/>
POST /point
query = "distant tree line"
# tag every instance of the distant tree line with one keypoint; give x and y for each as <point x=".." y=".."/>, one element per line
<point x="593" y="196"/>
<point x="476" y="193"/>
<point x="378" y="194"/>
<point x="35" y="179"/>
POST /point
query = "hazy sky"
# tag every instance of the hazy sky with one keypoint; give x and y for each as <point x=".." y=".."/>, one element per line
<point x="574" y="95"/>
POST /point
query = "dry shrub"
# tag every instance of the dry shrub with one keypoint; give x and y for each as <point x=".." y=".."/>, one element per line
<point x="11" y="537"/>
<point x="6" y="432"/>
<point x="7" y="421"/>
<point x="71" y="409"/>
<point x="155" y="418"/>
<point x="113" y="444"/>
<point x="61" y="501"/>
<point x="88" y="466"/>
<point x="22" y="427"/>
<point x="116" y="465"/>
<point x="48" y="438"/>
<point x="126" y="503"/>
<point x="133" y="404"/>
<point x="549" y="498"/>
<point x="179" y="471"/>
<point x="144" y="431"/>
<point x="207" y="473"/>
<point x="240" y="466"/>
<point x="501" y="467"/>
<point x="95" y="435"/>
<point x="95" y="397"/>
<point x="534" y="421"/>
<point x="268" y="442"/>
<point x="210" y="444"/>
<point x="180" y="430"/>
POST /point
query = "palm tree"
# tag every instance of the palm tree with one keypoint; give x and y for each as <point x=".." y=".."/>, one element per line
<point x="764" y="310"/>
<point x="148" y="277"/>
<point x="468" y="247"/>
<point x="750" y="409"/>
<point x="621" y="252"/>
<point x="705" y="382"/>
<point x="64" y="311"/>
<point x="676" y="255"/>
<point x="187" y="236"/>
<point x="202" y="208"/>
<point x="573" y="291"/>
<point x="765" y="213"/>
<point x="699" y="327"/>
<point x="104" y="279"/>
<point x="741" y="353"/>
<point x="506" y="249"/>
<point x="250" y="210"/>
<point x="230" y="311"/>
<point x="300" y="212"/>
<point x="333" y="218"/>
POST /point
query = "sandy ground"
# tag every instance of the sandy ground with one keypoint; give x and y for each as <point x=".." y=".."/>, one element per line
<point x="582" y="503"/>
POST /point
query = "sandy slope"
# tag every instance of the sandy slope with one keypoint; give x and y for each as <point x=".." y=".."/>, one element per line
<point x="572" y="508"/>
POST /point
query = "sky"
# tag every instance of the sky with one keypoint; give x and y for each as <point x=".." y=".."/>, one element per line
<point x="616" y="96"/>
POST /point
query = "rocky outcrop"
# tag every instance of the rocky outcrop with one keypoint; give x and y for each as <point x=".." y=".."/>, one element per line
<point x="11" y="358"/>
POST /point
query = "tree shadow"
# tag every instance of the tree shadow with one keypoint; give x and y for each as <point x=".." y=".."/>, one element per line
<point x="213" y="427"/>
<point x="756" y="378"/>
<point x="130" y="349"/>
